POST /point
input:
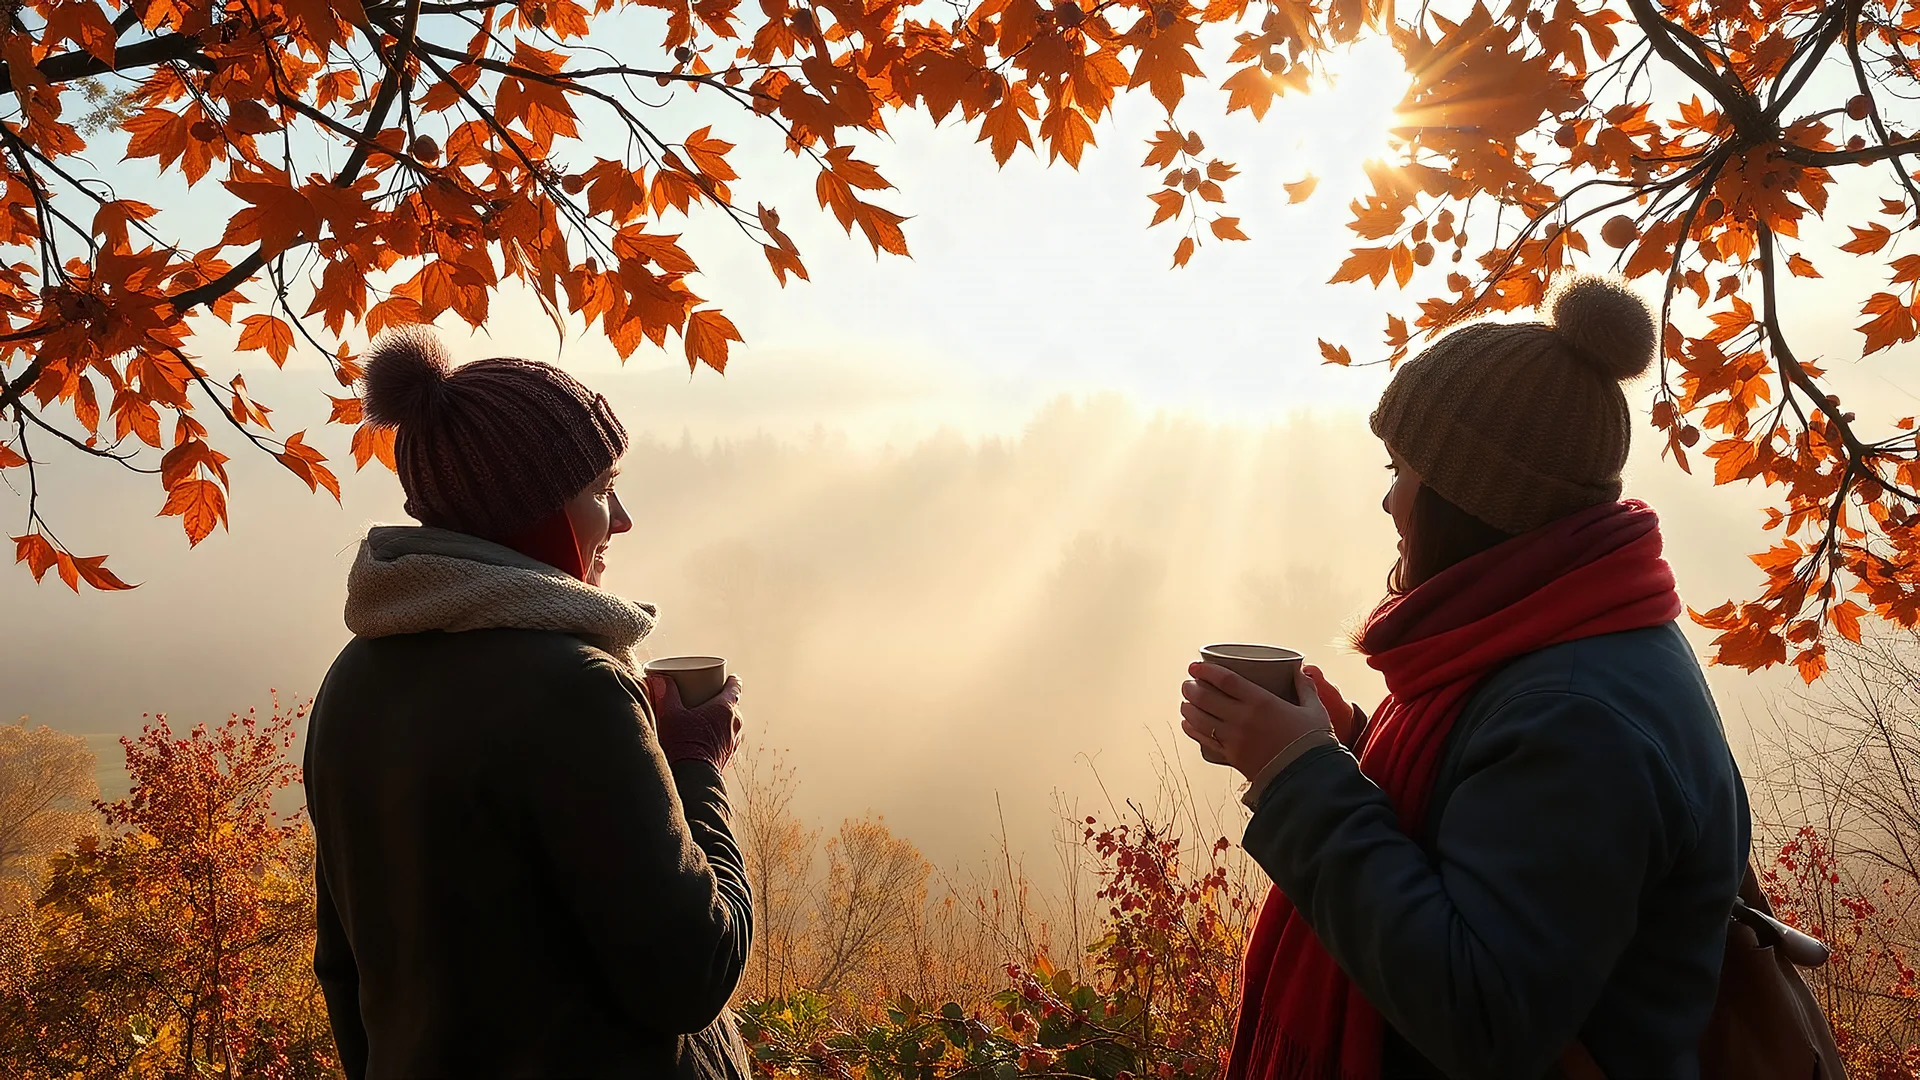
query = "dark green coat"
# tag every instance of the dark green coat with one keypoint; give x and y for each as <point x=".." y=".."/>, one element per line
<point x="512" y="882"/>
<point x="1585" y="839"/>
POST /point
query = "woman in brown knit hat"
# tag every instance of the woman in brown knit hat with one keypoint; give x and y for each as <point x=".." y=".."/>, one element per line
<point x="523" y="860"/>
<point x="1532" y="845"/>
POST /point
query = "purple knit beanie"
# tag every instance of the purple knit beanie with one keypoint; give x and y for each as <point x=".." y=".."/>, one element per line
<point x="489" y="448"/>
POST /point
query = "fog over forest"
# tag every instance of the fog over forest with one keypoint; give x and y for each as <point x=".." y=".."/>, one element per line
<point x="946" y="630"/>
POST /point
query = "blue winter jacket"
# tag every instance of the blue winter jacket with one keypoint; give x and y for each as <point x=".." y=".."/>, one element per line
<point x="1587" y="833"/>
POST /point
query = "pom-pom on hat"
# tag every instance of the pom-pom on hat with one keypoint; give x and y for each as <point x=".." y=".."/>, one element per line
<point x="488" y="448"/>
<point x="1520" y="424"/>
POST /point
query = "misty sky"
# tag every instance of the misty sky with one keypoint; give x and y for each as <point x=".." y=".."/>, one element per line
<point x="970" y="512"/>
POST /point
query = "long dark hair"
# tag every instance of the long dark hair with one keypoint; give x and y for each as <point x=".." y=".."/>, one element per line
<point x="1439" y="534"/>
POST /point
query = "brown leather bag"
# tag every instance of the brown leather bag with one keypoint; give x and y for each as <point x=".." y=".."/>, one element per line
<point x="1766" y="1024"/>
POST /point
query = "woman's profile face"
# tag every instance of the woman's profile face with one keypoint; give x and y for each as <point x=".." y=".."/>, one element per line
<point x="1398" y="502"/>
<point x="597" y="517"/>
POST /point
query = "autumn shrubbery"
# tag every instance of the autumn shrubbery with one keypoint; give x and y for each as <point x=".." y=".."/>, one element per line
<point x="1153" y="996"/>
<point x="1128" y="965"/>
<point x="1839" y="814"/>
<point x="1868" y="988"/>
<point x="178" y="941"/>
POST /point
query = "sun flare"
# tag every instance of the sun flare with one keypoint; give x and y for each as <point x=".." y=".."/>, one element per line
<point x="1350" y="118"/>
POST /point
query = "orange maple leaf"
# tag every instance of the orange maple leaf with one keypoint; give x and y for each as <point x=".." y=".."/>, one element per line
<point x="371" y="442"/>
<point x="267" y="332"/>
<point x="200" y="505"/>
<point x="706" y="337"/>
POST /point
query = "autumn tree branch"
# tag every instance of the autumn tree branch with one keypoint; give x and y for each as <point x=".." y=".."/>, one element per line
<point x="1864" y="82"/>
<point x="1863" y="156"/>
<point x="1736" y="101"/>
<point x="208" y="292"/>
<point x="1857" y="452"/>
<point x="1834" y="19"/>
<point x="1703" y="190"/>
<point x="389" y="88"/>
<point x="29" y="415"/>
<point x="68" y="67"/>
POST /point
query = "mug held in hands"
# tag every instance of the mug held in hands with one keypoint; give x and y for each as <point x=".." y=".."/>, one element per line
<point x="699" y="678"/>
<point x="707" y="731"/>
<point x="1269" y="667"/>
<point x="1244" y="703"/>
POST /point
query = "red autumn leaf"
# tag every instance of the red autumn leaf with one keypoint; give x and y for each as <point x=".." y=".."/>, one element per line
<point x="189" y="456"/>
<point x="1163" y="63"/>
<point x="855" y="172"/>
<point x="710" y="155"/>
<point x="1251" y="88"/>
<point x="707" y="335"/>
<point x="1167" y="203"/>
<point x="882" y="228"/>
<point x="85" y="24"/>
<point x="1165" y="147"/>
<point x="1868" y="240"/>
<point x="1227" y="228"/>
<point x="69" y="573"/>
<point x="371" y="442"/>
<point x="306" y="463"/>
<point x="276" y="218"/>
<point x="1373" y="263"/>
<point x="1812" y="663"/>
<point x="267" y="332"/>
<point x="664" y="251"/>
<point x="93" y="570"/>
<point x="1846" y="619"/>
<point x="1005" y="127"/>
<point x="135" y="415"/>
<point x="34" y="550"/>
<point x="200" y="505"/>
<point x="1892" y="322"/>
<point x="1067" y="134"/>
<point x="86" y="408"/>
<point x="345" y="410"/>
<point x="111" y="220"/>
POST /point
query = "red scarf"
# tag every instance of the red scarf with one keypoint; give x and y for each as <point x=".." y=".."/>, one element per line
<point x="552" y="541"/>
<point x="1596" y="572"/>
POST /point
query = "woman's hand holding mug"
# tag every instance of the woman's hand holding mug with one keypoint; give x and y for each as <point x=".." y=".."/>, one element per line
<point x="1239" y="724"/>
<point x="709" y="731"/>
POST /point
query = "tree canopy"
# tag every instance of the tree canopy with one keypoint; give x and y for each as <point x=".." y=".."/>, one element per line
<point x="396" y="161"/>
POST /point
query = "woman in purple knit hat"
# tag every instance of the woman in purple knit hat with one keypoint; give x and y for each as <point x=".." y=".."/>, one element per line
<point x="523" y="859"/>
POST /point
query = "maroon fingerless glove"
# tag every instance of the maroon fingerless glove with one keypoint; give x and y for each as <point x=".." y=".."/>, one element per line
<point x="707" y="732"/>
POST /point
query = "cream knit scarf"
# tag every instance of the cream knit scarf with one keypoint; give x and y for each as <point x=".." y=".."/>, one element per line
<point x="409" y="579"/>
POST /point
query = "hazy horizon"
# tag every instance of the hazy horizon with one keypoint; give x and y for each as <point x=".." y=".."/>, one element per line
<point x="945" y="632"/>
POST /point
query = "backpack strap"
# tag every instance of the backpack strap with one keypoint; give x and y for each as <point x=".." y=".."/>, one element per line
<point x="1800" y="949"/>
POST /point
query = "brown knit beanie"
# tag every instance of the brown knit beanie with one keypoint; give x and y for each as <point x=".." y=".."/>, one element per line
<point x="1520" y="424"/>
<point x="491" y="447"/>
